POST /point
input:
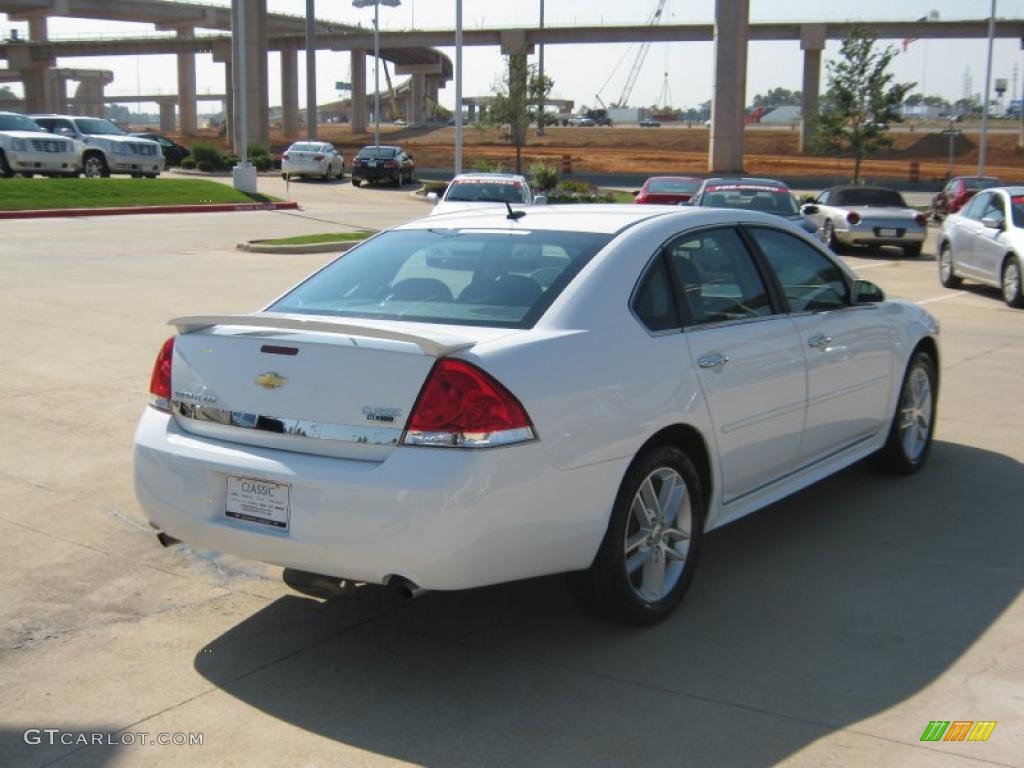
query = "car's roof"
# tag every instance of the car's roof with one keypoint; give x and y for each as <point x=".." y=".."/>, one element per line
<point x="598" y="218"/>
<point x="1016" y="189"/>
<point x="873" y="188"/>
<point x="745" y="180"/>
<point x="674" y="178"/>
<point x="957" y="178"/>
<point x="380" y="146"/>
<point x="481" y="176"/>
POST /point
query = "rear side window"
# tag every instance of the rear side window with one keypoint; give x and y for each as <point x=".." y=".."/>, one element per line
<point x="718" y="277"/>
<point x="464" y="277"/>
<point x="653" y="302"/>
<point x="811" y="282"/>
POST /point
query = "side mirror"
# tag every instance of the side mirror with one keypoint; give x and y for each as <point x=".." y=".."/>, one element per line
<point x="809" y="209"/>
<point x="432" y="197"/>
<point x="992" y="222"/>
<point x="540" y="200"/>
<point x="866" y="292"/>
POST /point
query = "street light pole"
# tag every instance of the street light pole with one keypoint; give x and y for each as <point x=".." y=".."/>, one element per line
<point x="983" y="149"/>
<point x="376" y="58"/>
<point x="458" y="86"/>
<point x="540" y="70"/>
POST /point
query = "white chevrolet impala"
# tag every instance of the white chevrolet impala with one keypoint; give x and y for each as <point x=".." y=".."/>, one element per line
<point x="488" y="396"/>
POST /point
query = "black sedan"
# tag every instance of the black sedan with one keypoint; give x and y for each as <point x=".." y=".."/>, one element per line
<point x="174" y="153"/>
<point x="381" y="163"/>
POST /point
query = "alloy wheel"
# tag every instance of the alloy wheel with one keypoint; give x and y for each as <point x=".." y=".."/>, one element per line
<point x="1011" y="283"/>
<point x="916" y="413"/>
<point x="658" y="531"/>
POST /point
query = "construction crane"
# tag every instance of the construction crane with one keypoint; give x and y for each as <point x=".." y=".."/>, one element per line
<point x="638" y="62"/>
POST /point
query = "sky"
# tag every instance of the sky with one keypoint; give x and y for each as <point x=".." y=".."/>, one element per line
<point x="581" y="71"/>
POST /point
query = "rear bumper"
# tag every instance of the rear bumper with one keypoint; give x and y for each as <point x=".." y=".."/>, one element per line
<point x="856" y="236"/>
<point x="444" y="519"/>
<point x="303" y="169"/>
<point x="374" y="174"/>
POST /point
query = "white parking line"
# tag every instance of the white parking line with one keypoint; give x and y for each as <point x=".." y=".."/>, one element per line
<point x="873" y="265"/>
<point x="941" y="298"/>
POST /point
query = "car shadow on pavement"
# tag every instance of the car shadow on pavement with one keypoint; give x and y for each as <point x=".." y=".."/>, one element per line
<point x="827" y="608"/>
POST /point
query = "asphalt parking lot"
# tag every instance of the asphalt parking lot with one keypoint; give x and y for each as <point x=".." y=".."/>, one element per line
<point x="827" y="630"/>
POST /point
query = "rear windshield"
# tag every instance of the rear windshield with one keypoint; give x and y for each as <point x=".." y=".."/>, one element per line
<point x="888" y="198"/>
<point x="673" y="187"/>
<point x="376" y="152"/>
<point x="980" y="183"/>
<point x="777" y="200"/>
<point x="306" y="147"/>
<point x="465" y="277"/>
<point x="19" y="123"/>
<point x="486" y="191"/>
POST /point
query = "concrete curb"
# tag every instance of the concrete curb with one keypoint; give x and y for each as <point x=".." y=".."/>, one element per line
<point x="339" y="246"/>
<point x="176" y="171"/>
<point x="50" y="213"/>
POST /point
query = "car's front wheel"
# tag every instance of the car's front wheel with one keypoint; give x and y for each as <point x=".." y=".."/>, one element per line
<point x="356" y="182"/>
<point x="913" y="425"/>
<point x="947" y="271"/>
<point x="649" y="552"/>
<point x="912" y="251"/>
<point x="1013" y="292"/>
<point x="5" y="169"/>
<point x="95" y="167"/>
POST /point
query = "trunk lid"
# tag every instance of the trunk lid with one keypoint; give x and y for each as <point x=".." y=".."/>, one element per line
<point x="305" y="383"/>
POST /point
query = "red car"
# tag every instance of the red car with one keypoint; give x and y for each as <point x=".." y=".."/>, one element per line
<point x="667" y="190"/>
<point x="958" y="191"/>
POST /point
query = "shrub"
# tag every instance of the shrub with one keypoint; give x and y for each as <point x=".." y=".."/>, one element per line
<point x="578" y="192"/>
<point x="260" y="156"/>
<point x="206" y="166"/>
<point x="210" y="154"/>
<point x="575" y="187"/>
<point x="188" y="163"/>
<point x="543" y="176"/>
<point x="435" y="186"/>
<point x="483" y="166"/>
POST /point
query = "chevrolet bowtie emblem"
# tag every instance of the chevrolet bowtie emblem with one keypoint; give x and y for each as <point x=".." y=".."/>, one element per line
<point x="271" y="380"/>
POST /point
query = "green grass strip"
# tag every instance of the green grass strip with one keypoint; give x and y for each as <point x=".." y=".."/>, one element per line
<point x="326" y="237"/>
<point x="40" y="194"/>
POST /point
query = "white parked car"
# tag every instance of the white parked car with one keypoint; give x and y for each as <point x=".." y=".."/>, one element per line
<point x="984" y="241"/>
<point x="871" y="216"/>
<point x="501" y="396"/>
<point x="469" y="191"/>
<point x="28" y="149"/>
<point x="313" y="158"/>
<point x="106" y="149"/>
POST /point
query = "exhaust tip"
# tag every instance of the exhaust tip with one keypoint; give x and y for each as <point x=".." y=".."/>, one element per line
<point x="404" y="588"/>
<point x="166" y="541"/>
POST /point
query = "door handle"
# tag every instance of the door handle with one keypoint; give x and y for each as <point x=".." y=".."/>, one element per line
<point x="819" y="341"/>
<point x="715" y="360"/>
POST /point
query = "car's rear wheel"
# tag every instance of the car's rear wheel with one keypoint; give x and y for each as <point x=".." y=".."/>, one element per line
<point x="829" y="233"/>
<point x="1012" y="289"/>
<point x="947" y="270"/>
<point x="356" y="182"/>
<point x="649" y="553"/>
<point x="5" y="168"/>
<point x="912" y="251"/>
<point x="95" y="167"/>
<point x="329" y="174"/>
<point x="913" y="425"/>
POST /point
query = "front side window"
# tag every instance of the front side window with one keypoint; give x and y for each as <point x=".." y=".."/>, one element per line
<point x="977" y="204"/>
<point x="823" y="198"/>
<point x="809" y="279"/>
<point x="464" y="277"/>
<point x="718" y="279"/>
<point x="995" y="209"/>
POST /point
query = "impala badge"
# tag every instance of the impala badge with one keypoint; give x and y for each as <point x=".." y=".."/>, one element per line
<point x="271" y="380"/>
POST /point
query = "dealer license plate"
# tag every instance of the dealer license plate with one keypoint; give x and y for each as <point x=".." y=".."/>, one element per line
<point x="258" y="501"/>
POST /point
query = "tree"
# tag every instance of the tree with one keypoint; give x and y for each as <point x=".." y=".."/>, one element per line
<point x="778" y="97"/>
<point x="861" y="101"/>
<point x="6" y="94"/>
<point x="516" y="97"/>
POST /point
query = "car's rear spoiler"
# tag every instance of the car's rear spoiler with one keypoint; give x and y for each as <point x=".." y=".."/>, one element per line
<point x="435" y="346"/>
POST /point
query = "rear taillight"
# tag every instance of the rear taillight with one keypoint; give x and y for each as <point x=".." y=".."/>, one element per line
<point x="921" y="219"/>
<point x="160" y="381"/>
<point x="853" y="218"/>
<point x="641" y="198"/>
<point x="391" y="164"/>
<point x="460" y="406"/>
<point x="318" y="158"/>
<point x="284" y="156"/>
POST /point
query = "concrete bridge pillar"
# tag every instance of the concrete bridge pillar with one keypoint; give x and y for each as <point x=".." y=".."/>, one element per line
<point x="166" y="116"/>
<point x="36" y="84"/>
<point x="222" y="55"/>
<point x="254" y="39"/>
<point x="357" y="115"/>
<point x="187" y="108"/>
<point x="812" y="42"/>
<point x="417" y="93"/>
<point x="433" y="88"/>
<point x="471" y="112"/>
<point x="290" y="92"/>
<point x="728" y="100"/>
<point x="89" y="95"/>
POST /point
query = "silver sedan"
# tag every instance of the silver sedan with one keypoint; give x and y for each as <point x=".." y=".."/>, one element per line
<point x="871" y="216"/>
<point x="985" y="242"/>
<point x="313" y="158"/>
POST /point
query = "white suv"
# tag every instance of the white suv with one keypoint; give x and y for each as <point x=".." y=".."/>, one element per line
<point x="27" y="149"/>
<point x="106" y="149"/>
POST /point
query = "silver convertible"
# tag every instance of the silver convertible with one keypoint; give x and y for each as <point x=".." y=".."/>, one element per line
<point x="872" y="216"/>
<point x="985" y="242"/>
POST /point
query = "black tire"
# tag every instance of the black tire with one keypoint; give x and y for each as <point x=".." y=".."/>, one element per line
<point x="398" y="179"/>
<point x="284" y="176"/>
<point x="5" y="169"/>
<point x="94" y="166"/>
<point x="329" y="174"/>
<point x="829" y="232"/>
<point x="25" y="175"/>
<point x="606" y="588"/>
<point x="1012" y="283"/>
<point x="894" y="456"/>
<point x="947" y="268"/>
<point x="912" y="251"/>
<point x="356" y="182"/>
<point x="150" y="175"/>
